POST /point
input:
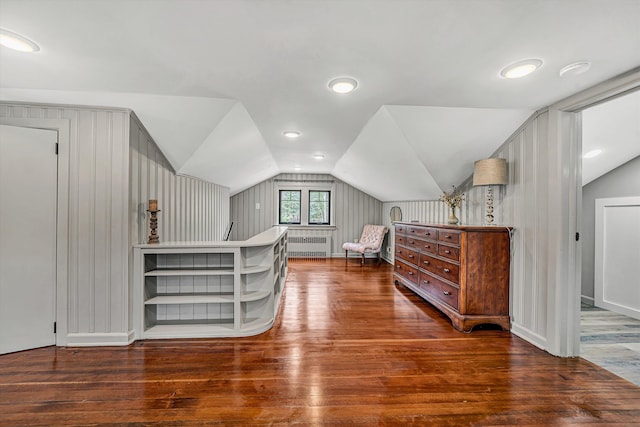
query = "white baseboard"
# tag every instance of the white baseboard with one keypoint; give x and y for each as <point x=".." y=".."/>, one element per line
<point x="620" y="309"/>
<point x="100" y="339"/>
<point x="587" y="300"/>
<point x="529" y="336"/>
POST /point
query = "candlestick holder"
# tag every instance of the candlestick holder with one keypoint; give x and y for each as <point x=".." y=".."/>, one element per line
<point x="153" y="226"/>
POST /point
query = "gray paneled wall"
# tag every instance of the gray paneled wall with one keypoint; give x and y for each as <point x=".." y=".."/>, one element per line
<point x="100" y="218"/>
<point x="191" y="209"/>
<point x="522" y="204"/>
<point x="97" y="157"/>
<point x="353" y="209"/>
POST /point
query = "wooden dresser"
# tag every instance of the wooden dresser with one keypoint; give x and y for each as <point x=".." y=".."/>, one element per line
<point x="461" y="270"/>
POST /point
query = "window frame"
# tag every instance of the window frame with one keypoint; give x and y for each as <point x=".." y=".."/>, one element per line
<point x="280" y="207"/>
<point x="328" y="202"/>
<point x="304" y="188"/>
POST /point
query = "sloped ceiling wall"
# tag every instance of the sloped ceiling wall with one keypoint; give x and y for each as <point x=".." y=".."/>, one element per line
<point x="382" y="162"/>
<point x="402" y="153"/>
<point x="613" y="128"/>
<point x="212" y="139"/>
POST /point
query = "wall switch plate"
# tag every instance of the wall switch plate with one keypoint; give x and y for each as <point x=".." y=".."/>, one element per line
<point x="257" y="206"/>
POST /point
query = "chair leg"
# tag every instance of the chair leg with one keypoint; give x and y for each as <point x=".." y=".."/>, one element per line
<point x="362" y="259"/>
<point x="379" y="259"/>
<point x="346" y="255"/>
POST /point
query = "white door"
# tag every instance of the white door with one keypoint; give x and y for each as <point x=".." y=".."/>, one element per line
<point x="28" y="195"/>
<point x="617" y="255"/>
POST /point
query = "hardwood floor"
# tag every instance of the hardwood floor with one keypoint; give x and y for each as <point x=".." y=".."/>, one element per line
<point x="349" y="348"/>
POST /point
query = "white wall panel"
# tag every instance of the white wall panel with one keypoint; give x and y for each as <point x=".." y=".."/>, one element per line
<point x="191" y="209"/>
<point x="522" y="204"/>
<point x="353" y="209"/>
<point x="105" y="181"/>
<point x="97" y="281"/>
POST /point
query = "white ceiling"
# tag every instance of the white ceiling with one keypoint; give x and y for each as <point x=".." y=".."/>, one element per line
<point x="614" y="128"/>
<point x="217" y="82"/>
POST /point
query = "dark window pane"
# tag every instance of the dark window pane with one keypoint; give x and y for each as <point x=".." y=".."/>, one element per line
<point x="290" y="206"/>
<point x="319" y="207"/>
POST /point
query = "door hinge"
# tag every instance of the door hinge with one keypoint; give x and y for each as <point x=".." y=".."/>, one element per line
<point x="57" y="148"/>
<point x="55" y="327"/>
<point x="577" y="236"/>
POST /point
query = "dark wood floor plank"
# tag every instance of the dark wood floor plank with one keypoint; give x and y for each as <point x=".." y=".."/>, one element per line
<point x="349" y="348"/>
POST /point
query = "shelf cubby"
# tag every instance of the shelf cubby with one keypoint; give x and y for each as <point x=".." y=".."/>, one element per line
<point x="209" y="289"/>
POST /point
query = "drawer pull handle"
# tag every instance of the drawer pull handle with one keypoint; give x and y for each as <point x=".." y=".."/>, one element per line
<point x="397" y="266"/>
<point x="410" y="273"/>
<point x="410" y="256"/>
<point x="426" y="262"/>
<point x="447" y="236"/>
<point x="427" y="247"/>
<point x="447" y="252"/>
<point x="413" y="231"/>
<point x="426" y="282"/>
<point x="447" y="293"/>
<point x="446" y="270"/>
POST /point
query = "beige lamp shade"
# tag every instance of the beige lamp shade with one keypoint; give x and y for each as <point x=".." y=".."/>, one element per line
<point x="490" y="172"/>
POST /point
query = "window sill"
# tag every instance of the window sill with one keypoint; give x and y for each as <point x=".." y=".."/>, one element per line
<point x="309" y="227"/>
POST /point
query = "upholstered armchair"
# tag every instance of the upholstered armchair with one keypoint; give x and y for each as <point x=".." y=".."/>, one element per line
<point x="370" y="241"/>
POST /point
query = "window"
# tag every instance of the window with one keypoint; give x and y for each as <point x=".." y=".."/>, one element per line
<point x="319" y="207"/>
<point x="290" y="206"/>
<point x="304" y="203"/>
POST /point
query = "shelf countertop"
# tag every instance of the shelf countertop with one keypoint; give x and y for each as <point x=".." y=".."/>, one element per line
<point x="267" y="237"/>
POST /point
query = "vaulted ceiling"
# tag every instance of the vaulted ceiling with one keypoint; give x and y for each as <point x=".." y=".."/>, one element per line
<point x="217" y="82"/>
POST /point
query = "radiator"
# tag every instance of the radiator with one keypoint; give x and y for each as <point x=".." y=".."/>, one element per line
<point x="309" y="247"/>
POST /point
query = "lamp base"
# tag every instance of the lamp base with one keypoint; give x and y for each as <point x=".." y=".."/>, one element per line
<point x="488" y="218"/>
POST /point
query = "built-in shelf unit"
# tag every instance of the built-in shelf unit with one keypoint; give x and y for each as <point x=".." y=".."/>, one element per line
<point x="209" y="289"/>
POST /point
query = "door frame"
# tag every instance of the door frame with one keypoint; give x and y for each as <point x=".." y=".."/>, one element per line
<point x="63" y="127"/>
<point x="564" y="301"/>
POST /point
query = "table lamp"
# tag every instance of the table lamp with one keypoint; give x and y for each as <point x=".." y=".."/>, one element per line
<point x="490" y="172"/>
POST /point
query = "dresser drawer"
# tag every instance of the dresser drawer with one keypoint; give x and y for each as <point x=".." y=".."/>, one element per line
<point x="413" y="243"/>
<point x="422" y="232"/>
<point x="451" y="252"/>
<point x="407" y="255"/>
<point x="427" y="246"/>
<point x="440" y="268"/>
<point x="401" y="229"/>
<point x="439" y="290"/>
<point x="408" y="272"/>
<point x="400" y="239"/>
<point x="449" y="236"/>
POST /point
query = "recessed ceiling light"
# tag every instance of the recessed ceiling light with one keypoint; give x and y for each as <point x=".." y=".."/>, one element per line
<point x="591" y="154"/>
<point x="575" y="69"/>
<point x="318" y="156"/>
<point x="343" y="84"/>
<point x="292" y="134"/>
<point x="17" y="42"/>
<point x="520" y="68"/>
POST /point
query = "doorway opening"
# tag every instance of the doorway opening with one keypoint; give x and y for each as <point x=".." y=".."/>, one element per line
<point x="610" y="290"/>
